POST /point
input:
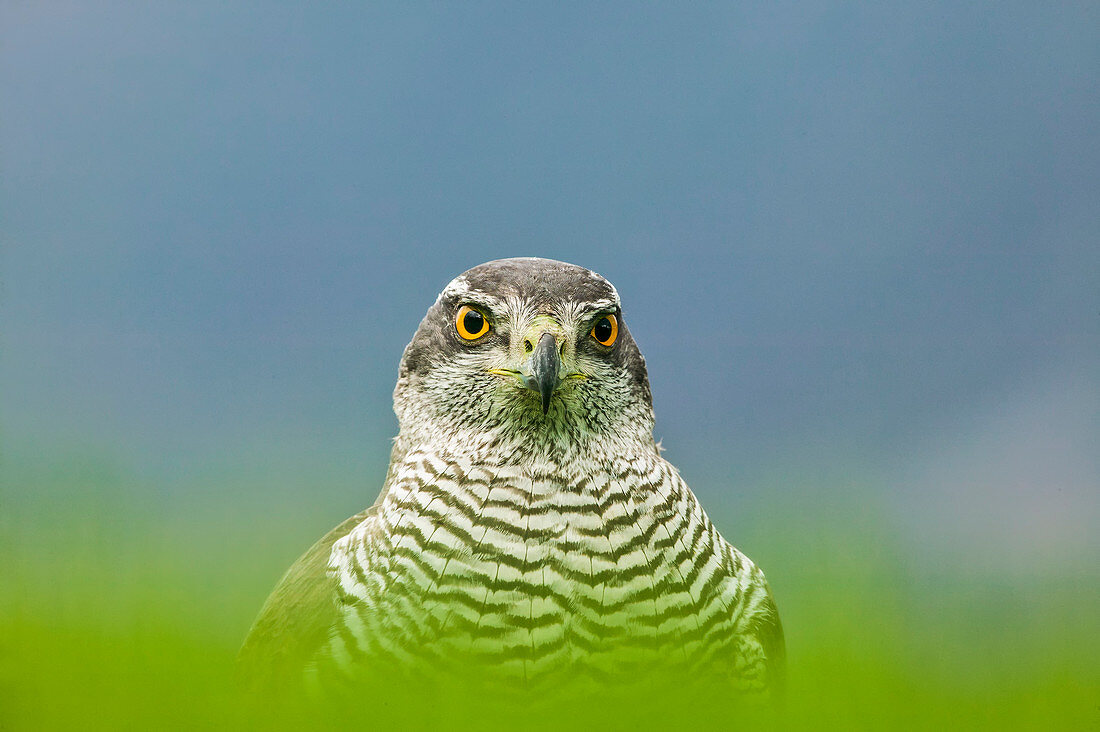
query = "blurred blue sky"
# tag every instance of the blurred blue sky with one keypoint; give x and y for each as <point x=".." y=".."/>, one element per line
<point x="857" y="243"/>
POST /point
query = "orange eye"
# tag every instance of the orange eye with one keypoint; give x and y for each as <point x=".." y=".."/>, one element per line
<point x="470" y="323"/>
<point x="606" y="330"/>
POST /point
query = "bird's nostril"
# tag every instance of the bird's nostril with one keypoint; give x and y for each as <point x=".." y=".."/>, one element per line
<point x="562" y="350"/>
<point x="528" y="346"/>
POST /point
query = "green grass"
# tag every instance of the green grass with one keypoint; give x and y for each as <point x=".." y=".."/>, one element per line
<point x="122" y="610"/>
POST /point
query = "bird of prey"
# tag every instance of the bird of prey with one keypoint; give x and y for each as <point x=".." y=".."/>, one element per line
<point x="528" y="529"/>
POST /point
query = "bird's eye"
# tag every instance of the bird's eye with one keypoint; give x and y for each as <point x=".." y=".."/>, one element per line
<point x="606" y="330"/>
<point x="470" y="323"/>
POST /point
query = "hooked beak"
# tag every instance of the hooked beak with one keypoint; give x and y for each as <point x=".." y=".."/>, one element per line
<point x="544" y="365"/>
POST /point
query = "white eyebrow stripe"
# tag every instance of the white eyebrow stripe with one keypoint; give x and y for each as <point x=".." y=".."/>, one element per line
<point x="600" y="305"/>
<point x="460" y="289"/>
<point x="512" y="307"/>
<point x="455" y="288"/>
<point x="603" y="280"/>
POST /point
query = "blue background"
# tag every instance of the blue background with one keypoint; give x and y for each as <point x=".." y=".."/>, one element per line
<point x="858" y="245"/>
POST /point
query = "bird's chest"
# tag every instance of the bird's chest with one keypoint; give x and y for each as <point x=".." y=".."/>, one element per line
<point x="528" y="568"/>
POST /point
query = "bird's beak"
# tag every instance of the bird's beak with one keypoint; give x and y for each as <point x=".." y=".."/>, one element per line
<point x="544" y="365"/>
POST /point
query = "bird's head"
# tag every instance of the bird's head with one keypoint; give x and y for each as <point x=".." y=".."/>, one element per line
<point x="526" y="346"/>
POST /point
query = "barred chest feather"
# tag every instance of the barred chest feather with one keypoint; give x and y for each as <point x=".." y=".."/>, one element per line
<point x="529" y="570"/>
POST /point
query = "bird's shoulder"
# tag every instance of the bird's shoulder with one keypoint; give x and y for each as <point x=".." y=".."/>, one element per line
<point x="295" y="619"/>
<point x="764" y="661"/>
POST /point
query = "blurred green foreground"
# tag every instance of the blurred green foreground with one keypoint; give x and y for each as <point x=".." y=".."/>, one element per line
<point x="123" y="608"/>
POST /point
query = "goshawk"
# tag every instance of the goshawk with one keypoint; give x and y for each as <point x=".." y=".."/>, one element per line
<point x="528" y="529"/>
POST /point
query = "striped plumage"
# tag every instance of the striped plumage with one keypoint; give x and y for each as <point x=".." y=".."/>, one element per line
<point x="531" y="545"/>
